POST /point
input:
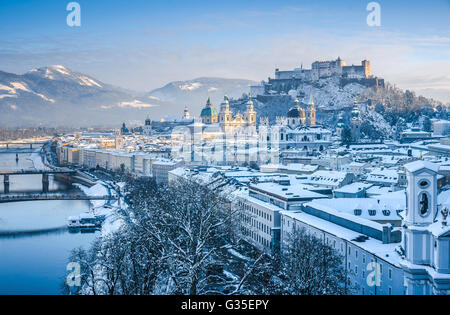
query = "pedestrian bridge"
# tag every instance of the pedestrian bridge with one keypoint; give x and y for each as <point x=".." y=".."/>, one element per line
<point x="21" y="197"/>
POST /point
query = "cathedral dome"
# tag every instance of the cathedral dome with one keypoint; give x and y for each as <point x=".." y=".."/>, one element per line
<point x="297" y="111"/>
<point x="209" y="110"/>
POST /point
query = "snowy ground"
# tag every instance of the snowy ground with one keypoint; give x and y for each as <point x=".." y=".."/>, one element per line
<point x="109" y="209"/>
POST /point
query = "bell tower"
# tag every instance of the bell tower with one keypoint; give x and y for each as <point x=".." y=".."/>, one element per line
<point x="423" y="249"/>
<point x="421" y="193"/>
<point x="250" y="114"/>
<point x="225" y="114"/>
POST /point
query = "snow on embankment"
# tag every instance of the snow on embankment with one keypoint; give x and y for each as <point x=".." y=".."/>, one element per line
<point x="36" y="158"/>
<point x="113" y="221"/>
<point x="97" y="190"/>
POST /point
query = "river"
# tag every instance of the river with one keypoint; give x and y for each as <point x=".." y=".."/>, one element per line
<point x="34" y="244"/>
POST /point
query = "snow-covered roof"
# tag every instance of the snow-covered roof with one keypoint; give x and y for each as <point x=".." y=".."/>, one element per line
<point x="419" y="165"/>
<point x="353" y="188"/>
<point x="367" y="208"/>
<point x="297" y="191"/>
<point x="383" y="176"/>
<point x="386" y="252"/>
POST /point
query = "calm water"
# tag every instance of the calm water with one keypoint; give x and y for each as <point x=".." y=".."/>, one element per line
<point x="34" y="244"/>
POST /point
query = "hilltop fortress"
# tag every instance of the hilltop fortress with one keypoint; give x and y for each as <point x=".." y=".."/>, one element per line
<point x="285" y="81"/>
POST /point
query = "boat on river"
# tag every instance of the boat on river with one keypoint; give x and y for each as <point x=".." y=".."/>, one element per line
<point x="84" y="221"/>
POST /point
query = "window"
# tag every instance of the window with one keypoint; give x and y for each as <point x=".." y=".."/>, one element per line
<point x="358" y="212"/>
<point x="423" y="184"/>
<point x="390" y="291"/>
<point x="390" y="274"/>
<point x="386" y="213"/>
<point x="372" y="212"/>
<point x="424" y="205"/>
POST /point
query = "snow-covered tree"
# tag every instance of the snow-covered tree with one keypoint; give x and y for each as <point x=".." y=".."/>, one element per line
<point x="311" y="267"/>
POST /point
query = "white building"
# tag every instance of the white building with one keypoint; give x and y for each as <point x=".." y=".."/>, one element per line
<point x="426" y="241"/>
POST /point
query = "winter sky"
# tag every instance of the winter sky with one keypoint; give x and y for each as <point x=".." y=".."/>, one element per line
<point x="144" y="44"/>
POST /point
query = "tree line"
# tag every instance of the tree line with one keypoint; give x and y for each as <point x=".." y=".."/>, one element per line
<point x="183" y="239"/>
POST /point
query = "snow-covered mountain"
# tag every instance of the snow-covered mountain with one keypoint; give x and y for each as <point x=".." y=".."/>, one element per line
<point x="58" y="96"/>
<point x="194" y="93"/>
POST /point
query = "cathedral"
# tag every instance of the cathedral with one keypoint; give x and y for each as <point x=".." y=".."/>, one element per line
<point x="297" y="131"/>
<point x="301" y="114"/>
<point x="225" y="118"/>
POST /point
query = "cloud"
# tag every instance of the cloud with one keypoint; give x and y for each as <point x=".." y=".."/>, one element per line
<point x="135" y="104"/>
<point x="145" y="59"/>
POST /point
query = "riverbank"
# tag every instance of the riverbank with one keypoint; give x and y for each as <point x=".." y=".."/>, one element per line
<point x="35" y="244"/>
<point x="109" y="209"/>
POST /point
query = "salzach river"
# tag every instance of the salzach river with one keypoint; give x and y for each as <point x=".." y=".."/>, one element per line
<point x="34" y="244"/>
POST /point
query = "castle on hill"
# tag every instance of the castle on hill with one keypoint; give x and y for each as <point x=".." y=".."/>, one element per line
<point x="285" y="81"/>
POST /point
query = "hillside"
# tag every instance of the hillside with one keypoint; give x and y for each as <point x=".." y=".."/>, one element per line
<point x="58" y="96"/>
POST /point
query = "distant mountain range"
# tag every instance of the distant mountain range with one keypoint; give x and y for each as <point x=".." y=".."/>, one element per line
<point x="58" y="96"/>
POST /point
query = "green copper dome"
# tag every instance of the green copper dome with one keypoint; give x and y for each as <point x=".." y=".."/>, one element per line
<point x="209" y="110"/>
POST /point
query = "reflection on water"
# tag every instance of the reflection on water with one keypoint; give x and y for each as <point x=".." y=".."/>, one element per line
<point x="21" y="234"/>
<point x="37" y="264"/>
<point x="34" y="242"/>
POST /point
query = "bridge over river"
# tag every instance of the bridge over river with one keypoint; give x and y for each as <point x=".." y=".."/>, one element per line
<point x="19" y="147"/>
<point x="45" y="173"/>
<point x="20" y="197"/>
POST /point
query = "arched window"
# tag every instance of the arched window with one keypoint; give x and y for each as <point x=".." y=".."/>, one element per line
<point x="424" y="204"/>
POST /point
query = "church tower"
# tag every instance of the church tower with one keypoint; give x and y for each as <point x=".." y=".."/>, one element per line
<point x="250" y="114"/>
<point x="340" y="126"/>
<point x="225" y="114"/>
<point x="186" y="113"/>
<point x="148" y="127"/>
<point x="355" y="123"/>
<point x="421" y="193"/>
<point x="426" y="235"/>
<point x="311" y="111"/>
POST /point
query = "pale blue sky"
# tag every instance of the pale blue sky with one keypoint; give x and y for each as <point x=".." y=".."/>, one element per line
<point x="143" y="44"/>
